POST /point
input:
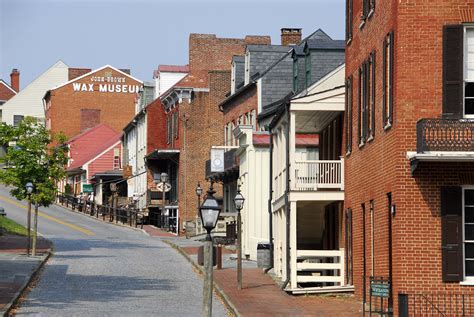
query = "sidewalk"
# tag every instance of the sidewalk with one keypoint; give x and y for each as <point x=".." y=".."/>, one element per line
<point x="17" y="269"/>
<point x="260" y="295"/>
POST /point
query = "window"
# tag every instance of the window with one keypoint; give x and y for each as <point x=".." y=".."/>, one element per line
<point x="468" y="232"/>
<point x="387" y="81"/>
<point x="307" y="65"/>
<point x="349" y="115"/>
<point x="368" y="8"/>
<point x="17" y="119"/>
<point x="348" y="258"/>
<point x="370" y="104"/>
<point x="362" y="104"/>
<point x="175" y="124"/>
<point x="168" y="129"/>
<point x="349" y="20"/>
<point x="372" y="236"/>
<point x="295" y="75"/>
<point x="469" y="73"/>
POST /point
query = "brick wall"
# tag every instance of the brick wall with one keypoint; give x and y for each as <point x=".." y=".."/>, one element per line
<point x="240" y="105"/>
<point x="156" y="126"/>
<point x="116" y="108"/>
<point x="381" y="166"/>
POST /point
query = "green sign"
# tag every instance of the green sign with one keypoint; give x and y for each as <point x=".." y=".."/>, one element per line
<point x="87" y="188"/>
<point x="378" y="289"/>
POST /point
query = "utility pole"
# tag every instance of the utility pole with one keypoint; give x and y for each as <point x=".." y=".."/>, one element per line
<point x="35" y="229"/>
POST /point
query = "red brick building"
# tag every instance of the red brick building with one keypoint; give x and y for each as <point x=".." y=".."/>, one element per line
<point x="409" y="150"/>
<point x="106" y="95"/>
<point x="8" y="91"/>
<point x="194" y="122"/>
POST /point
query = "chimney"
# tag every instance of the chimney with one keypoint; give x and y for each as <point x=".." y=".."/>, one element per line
<point x="290" y="36"/>
<point x="15" y="79"/>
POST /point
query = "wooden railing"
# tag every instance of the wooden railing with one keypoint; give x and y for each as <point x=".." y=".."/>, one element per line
<point x="314" y="175"/>
<point x="320" y="266"/>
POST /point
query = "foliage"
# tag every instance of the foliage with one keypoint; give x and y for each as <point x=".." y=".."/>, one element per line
<point x="68" y="189"/>
<point x="33" y="159"/>
<point x="10" y="226"/>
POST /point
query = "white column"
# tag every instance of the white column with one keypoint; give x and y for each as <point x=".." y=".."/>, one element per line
<point x="292" y="149"/>
<point x="293" y="237"/>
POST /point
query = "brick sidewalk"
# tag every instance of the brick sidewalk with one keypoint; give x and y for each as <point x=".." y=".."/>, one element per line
<point x="17" y="269"/>
<point x="261" y="296"/>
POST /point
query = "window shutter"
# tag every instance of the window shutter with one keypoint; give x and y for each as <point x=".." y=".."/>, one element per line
<point x="372" y="96"/>
<point x="453" y="71"/>
<point x="390" y="88"/>
<point x="359" y="121"/>
<point x="451" y="234"/>
<point x="384" y="83"/>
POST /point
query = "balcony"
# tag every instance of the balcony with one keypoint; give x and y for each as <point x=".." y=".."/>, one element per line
<point x="317" y="175"/>
<point x="445" y="135"/>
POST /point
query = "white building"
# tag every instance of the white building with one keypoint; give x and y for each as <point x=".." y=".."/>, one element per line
<point x="308" y="189"/>
<point x="29" y="101"/>
<point x="166" y="76"/>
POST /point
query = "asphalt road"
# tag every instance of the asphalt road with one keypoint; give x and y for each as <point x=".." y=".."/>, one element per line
<point x="100" y="269"/>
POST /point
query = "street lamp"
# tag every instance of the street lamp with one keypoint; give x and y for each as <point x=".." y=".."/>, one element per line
<point x="29" y="190"/>
<point x="239" y="204"/>
<point x="163" y="179"/>
<point x="209" y="212"/>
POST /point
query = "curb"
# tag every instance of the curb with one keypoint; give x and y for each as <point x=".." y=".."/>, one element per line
<point x="217" y="289"/>
<point x="25" y="285"/>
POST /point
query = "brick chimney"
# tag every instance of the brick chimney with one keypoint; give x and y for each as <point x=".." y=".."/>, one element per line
<point x="15" y="79"/>
<point x="290" y="36"/>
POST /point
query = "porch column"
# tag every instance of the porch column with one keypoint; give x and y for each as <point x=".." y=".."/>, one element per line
<point x="293" y="244"/>
<point x="292" y="149"/>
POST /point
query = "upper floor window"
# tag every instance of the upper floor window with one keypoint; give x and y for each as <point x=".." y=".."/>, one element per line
<point x="368" y="8"/>
<point x="469" y="72"/>
<point x="307" y="64"/>
<point x="371" y="96"/>
<point x="349" y="115"/>
<point x="349" y="20"/>
<point x="295" y="75"/>
<point x="387" y="81"/>
<point x="362" y="118"/>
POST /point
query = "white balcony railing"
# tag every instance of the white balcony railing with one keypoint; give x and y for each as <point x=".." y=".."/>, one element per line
<point x="314" y="175"/>
<point x="320" y="266"/>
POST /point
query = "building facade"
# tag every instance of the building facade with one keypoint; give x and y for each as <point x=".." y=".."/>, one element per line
<point x="29" y="101"/>
<point x="409" y="149"/>
<point x="106" y="95"/>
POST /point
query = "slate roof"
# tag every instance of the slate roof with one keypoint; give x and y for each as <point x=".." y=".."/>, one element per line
<point x="268" y="48"/>
<point x="319" y="44"/>
<point x="238" y="59"/>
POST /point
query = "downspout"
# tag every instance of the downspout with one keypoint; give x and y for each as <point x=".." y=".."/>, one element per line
<point x="270" y="213"/>
<point x="287" y="192"/>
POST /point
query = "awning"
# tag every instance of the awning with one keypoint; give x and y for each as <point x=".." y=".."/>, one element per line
<point x="163" y="154"/>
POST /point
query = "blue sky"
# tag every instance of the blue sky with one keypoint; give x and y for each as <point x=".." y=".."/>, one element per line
<point x="141" y="34"/>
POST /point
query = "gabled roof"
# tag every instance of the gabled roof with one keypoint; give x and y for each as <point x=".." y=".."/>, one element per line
<point x="94" y="71"/>
<point x="318" y="44"/>
<point x="2" y="82"/>
<point x="87" y="145"/>
<point x="171" y="69"/>
<point x="268" y="48"/>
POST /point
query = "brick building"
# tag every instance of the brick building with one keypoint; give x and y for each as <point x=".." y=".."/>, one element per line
<point x="194" y="122"/>
<point x="106" y="95"/>
<point x="409" y="150"/>
<point x="8" y="91"/>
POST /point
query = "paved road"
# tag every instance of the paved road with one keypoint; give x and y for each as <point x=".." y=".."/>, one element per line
<point x="104" y="270"/>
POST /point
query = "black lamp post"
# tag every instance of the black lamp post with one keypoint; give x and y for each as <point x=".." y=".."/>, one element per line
<point x="239" y="204"/>
<point x="209" y="212"/>
<point x="29" y="190"/>
<point x="163" y="179"/>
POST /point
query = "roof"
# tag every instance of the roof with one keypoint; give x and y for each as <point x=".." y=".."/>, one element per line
<point x="8" y="86"/>
<point x="117" y="173"/>
<point x="94" y="71"/>
<point x="307" y="139"/>
<point x="171" y="69"/>
<point x="238" y="92"/>
<point x="261" y="139"/>
<point x="319" y="44"/>
<point x="238" y="59"/>
<point x="268" y="48"/>
<point x="87" y="145"/>
<point x="274" y="107"/>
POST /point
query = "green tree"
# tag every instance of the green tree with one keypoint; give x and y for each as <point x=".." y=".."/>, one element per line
<point x="31" y="158"/>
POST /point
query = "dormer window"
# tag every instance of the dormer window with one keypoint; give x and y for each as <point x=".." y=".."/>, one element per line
<point x="307" y="64"/>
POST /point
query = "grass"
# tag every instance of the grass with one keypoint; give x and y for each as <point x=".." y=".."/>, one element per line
<point x="11" y="227"/>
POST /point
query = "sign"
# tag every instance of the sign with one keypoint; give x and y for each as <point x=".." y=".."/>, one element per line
<point x="159" y="187"/>
<point x="217" y="160"/>
<point x="87" y="188"/>
<point x="380" y="289"/>
<point x="107" y="84"/>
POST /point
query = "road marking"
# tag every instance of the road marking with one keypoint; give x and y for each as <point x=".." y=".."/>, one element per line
<point x="54" y="219"/>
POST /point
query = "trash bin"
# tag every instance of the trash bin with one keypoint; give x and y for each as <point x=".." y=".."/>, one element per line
<point x="201" y="255"/>
<point x="263" y="255"/>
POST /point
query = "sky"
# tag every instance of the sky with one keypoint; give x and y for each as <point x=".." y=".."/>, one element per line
<point x="142" y="34"/>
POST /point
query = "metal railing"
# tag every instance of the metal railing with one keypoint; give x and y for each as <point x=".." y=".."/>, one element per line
<point x="314" y="175"/>
<point x="440" y="304"/>
<point x="125" y="215"/>
<point x="445" y="135"/>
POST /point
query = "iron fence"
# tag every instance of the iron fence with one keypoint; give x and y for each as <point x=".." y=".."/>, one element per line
<point x="445" y="135"/>
<point x="440" y="304"/>
<point x="125" y="215"/>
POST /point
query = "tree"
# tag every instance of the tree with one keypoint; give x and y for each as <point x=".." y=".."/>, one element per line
<point x="31" y="158"/>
